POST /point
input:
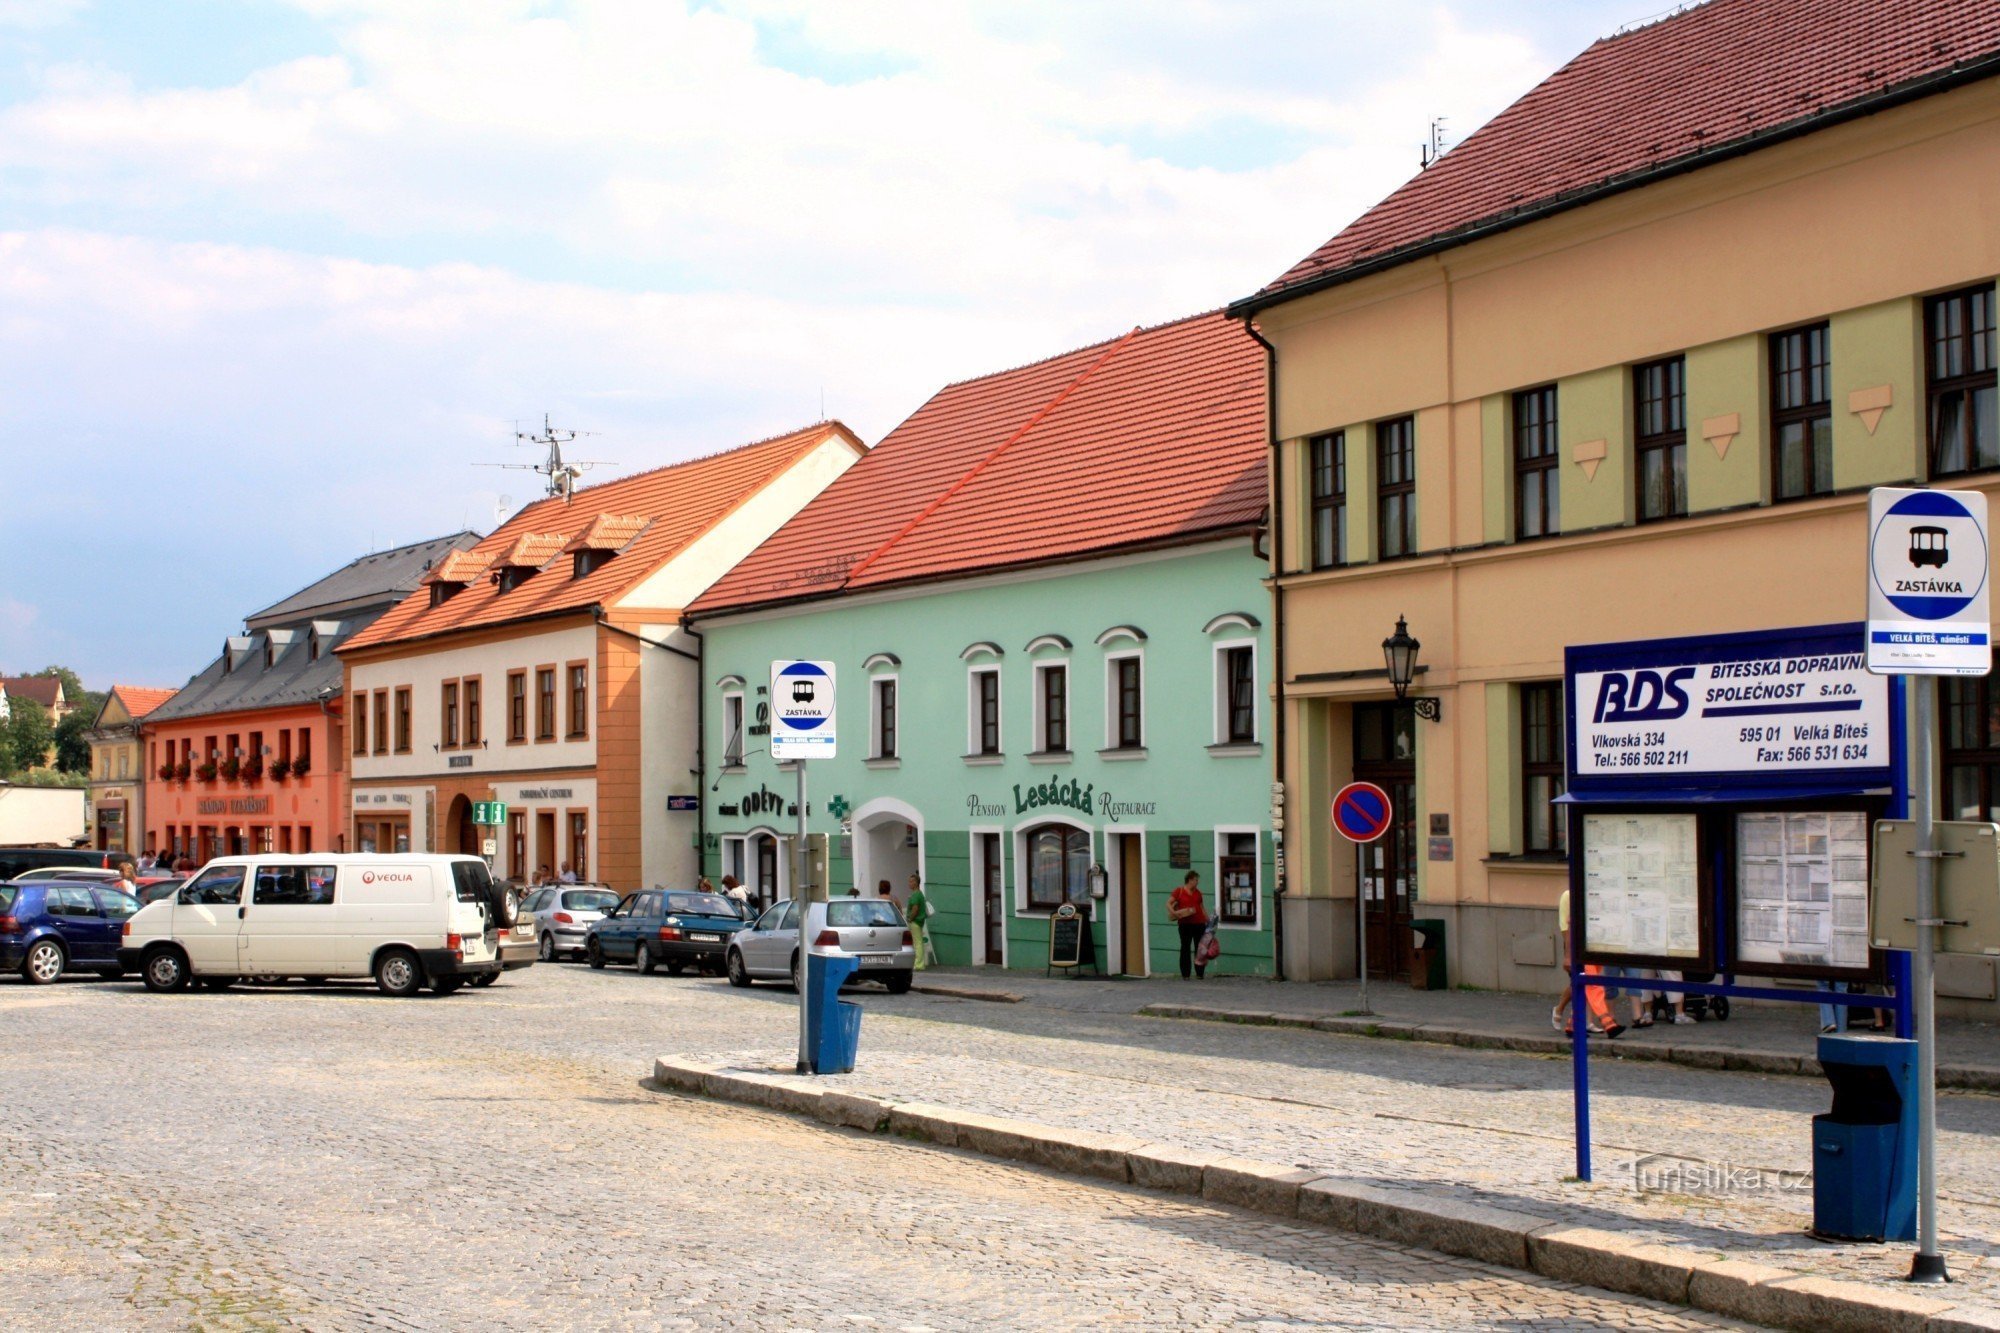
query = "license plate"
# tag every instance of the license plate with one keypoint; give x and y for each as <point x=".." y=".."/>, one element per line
<point x="877" y="959"/>
<point x="697" y="935"/>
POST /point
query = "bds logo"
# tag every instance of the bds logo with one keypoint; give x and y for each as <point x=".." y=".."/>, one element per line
<point x="1642" y="696"/>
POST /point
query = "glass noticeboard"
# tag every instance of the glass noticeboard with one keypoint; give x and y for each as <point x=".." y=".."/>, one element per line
<point x="1642" y="896"/>
<point x="1802" y="890"/>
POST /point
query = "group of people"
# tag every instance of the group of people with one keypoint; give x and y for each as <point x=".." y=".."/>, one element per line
<point x="163" y="863"/>
<point x="543" y="878"/>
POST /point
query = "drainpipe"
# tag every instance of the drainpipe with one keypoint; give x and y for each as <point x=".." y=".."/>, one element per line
<point x="1277" y="630"/>
<point x="700" y="726"/>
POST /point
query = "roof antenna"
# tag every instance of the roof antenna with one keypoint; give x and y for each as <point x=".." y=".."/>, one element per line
<point x="1434" y="149"/>
<point x="560" y="475"/>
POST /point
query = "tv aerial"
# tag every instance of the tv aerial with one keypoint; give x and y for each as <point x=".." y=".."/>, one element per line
<point x="559" y="474"/>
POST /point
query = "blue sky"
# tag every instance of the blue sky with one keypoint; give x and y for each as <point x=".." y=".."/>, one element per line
<point x="277" y="275"/>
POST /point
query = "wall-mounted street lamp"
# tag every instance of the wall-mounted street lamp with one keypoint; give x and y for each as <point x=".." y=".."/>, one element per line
<point x="1400" y="651"/>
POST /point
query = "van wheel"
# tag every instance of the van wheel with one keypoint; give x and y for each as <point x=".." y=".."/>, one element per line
<point x="164" y="971"/>
<point x="642" y="958"/>
<point x="506" y="904"/>
<point x="593" y="953"/>
<point x="739" y="976"/>
<point x="446" y="985"/>
<point x="548" y="947"/>
<point x="44" y="962"/>
<point x="398" y="973"/>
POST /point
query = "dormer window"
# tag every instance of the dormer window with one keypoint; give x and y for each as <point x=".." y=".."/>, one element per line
<point x="312" y="644"/>
<point x="607" y="535"/>
<point x="450" y="576"/>
<point x="228" y="658"/>
<point x="442" y="592"/>
<point x="512" y="577"/>
<point x="525" y="557"/>
<point x="269" y="653"/>
<point x="588" y="562"/>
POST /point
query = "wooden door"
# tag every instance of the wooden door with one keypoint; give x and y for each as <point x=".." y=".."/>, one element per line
<point x="1385" y="753"/>
<point x="1131" y="905"/>
<point x="545" y="841"/>
<point x="992" y="899"/>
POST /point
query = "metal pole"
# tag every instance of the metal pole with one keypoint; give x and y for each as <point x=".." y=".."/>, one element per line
<point x="1361" y="920"/>
<point x="804" y="901"/>
<point x="1928" y="1265"/>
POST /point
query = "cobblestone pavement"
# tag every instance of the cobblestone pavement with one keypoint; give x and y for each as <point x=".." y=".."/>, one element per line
<point x="1488" y="1126"/>
<point x="331" y="1159"/>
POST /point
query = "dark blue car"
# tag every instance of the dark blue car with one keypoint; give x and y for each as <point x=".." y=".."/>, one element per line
<point x="679" y="928"/>
<point x="49" y="927"/>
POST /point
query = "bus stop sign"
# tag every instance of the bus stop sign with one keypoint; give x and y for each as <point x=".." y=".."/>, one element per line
<point x="1361" y="812"/>
<point x="1927" y="584"/>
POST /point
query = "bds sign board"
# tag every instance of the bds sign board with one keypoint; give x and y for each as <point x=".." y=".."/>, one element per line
<point x="802" y="710"/>
<point x="1927" y="583"/>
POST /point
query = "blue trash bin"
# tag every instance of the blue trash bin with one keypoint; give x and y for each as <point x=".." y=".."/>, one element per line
<point x="833" y="1025"/>
<point x="1865" y="1148"/>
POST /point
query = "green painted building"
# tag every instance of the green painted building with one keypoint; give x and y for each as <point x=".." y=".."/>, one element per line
<point x="1042" y="598"/>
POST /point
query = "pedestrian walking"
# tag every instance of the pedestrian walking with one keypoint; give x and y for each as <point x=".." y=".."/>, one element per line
<point x="918" y="910"/>
<point x="1190" y="913"/>
<point x="128" y="878"/>
<point x="1593" y="996"/>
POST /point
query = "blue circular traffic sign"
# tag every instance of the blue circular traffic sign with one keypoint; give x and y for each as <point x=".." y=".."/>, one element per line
<point x="1361" y="812"/>
<point x="1927" y="556"/>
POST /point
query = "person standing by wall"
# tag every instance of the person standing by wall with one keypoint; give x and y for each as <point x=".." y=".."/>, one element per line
<point x="1190" y="913"/>
<point x="918" y="910"/>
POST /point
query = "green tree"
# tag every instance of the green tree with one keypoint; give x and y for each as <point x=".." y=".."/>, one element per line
<point x="72" y="745"/>
<point x="25" y="737"/>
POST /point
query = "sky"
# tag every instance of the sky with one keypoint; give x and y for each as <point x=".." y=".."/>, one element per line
<point x="280" y="278"/>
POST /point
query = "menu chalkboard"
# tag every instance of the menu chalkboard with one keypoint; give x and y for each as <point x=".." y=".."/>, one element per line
<point x="1065" y="937"/>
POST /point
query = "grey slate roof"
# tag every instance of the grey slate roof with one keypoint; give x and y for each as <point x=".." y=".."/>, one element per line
<point x="320" y="616"/>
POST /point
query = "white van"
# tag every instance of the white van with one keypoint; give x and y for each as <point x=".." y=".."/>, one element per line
<point x="405" y="920"/>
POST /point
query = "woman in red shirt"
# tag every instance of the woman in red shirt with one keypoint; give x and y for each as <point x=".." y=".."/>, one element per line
<point x="1185" y="906"/>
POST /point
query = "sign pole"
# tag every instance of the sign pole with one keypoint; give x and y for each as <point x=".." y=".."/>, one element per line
<point x="1928" y="1265"/>
<point x="804" y="900"/>
<point x="1363" y="814"/>
<point x="1361" y="923"/>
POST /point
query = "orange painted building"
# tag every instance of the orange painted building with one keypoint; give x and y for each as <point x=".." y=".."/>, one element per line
<point x="248" y="755"/>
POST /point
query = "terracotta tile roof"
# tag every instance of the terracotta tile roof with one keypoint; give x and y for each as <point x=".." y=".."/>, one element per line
<point x="679" y="502"/>
<point x="1712" y="81"/>
<point x="42" y="689"/>
<point x="608" y="532"/>
<point x="140" y="700"/>
<point x="1152" y="438"/>
<point x="459" y="567"/>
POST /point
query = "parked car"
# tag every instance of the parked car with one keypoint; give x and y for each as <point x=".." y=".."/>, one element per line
<point x="562" y="915"/>
<point x="869" y="930"/>
<point x="49" y="927"/>
<point x="17" y="861"/>
<point x="152" y="890"/>
<point x="406" y="920"/>
<point x="86" y="873"/>
<point x="680" y="928"/>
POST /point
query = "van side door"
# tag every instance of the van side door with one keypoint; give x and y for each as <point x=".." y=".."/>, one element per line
<point x="288" y="923"/>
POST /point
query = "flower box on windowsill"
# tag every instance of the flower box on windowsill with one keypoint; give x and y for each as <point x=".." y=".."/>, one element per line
<point x="206" y="773"/>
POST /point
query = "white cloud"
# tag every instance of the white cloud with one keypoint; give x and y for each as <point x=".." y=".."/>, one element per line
<point x="38" y="13"/>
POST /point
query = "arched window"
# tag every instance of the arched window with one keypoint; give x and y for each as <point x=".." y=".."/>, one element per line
<point x="1058" y="865"/>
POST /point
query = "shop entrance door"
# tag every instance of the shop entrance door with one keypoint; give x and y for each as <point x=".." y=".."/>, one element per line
<point x="1131" y="906"/>
<point x="545" y="842"/>
<point x="1385" y="753"/>
<point x="992" y="900"/>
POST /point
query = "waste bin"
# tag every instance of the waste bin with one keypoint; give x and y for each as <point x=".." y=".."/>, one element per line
<point x="1865" y="1148"/>
<point x="1427" y="959"/>
<point x="833" y="1025"/>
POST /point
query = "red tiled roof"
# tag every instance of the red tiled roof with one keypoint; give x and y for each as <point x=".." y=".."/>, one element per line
<point x="680" y="503"/>
<point x="42" y="689"/>
<point x="140" y="700"/>
<point x="1716" y="79"/>
<point x="608" y="532"/>
<point x="1155" y="437"/>
<point x="458" y="567"/>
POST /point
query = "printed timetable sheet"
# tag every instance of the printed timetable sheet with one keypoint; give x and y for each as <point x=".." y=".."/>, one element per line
<point x="1802" y="889"/>
<point x="1641" y="890"/>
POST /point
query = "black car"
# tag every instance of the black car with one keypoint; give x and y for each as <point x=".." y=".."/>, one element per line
<point x="18" y="861"/>
<point x="680" y="928"/>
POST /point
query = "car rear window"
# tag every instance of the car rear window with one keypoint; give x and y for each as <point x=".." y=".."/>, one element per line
<point x="701" y="904"/>
<point x="863" y="912"/>
<point x="589" y="900"/>
<point x="7" y="892"/>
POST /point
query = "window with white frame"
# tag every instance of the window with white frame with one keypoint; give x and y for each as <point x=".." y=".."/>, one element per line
<point x="1052" y="707"/>
<point x="882" y="712"/>
<point x="1237" y="867"/>
<point x="1124" y="702"/>
<point x="983" y="711"/>
<point x="732" y="729"/>
<point x="1236" y="693"/>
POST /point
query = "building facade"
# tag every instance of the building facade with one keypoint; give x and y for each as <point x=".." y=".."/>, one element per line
<point x="1620" y="366"/>
<point x="545" y="669"/>
<point x="248" y="755"/>
<point x="1043" y="601"/>
<point x="118" y="768"/>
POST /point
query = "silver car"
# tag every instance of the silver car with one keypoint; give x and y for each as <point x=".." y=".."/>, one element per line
<point x="869" y="930"/>
<point x="562" y="914"/>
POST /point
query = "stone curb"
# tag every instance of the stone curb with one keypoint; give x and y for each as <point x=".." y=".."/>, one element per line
<point x="1582" y="1255"/>
<point x="969" y="993"/>
<point x="1977" y="1078"/>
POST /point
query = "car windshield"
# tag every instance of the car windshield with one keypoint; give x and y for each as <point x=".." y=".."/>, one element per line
<point x="863" y="912"/>
<point x="701" y="904"/>
<point x="589" y="900"/>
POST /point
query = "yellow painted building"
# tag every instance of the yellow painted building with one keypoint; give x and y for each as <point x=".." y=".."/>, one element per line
<point x="1622" y="365"/>
<point x="117" y="768"/>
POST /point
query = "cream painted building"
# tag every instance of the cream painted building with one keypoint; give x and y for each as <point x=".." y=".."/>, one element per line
<point x="1621" y="366"/>
<point x="546" y="669"/>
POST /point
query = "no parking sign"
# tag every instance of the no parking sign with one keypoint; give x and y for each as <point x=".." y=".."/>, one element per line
<point x="1361" y="812"/>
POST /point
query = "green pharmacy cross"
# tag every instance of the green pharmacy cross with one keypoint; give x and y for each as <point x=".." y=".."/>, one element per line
<point x="839" y="806"/>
